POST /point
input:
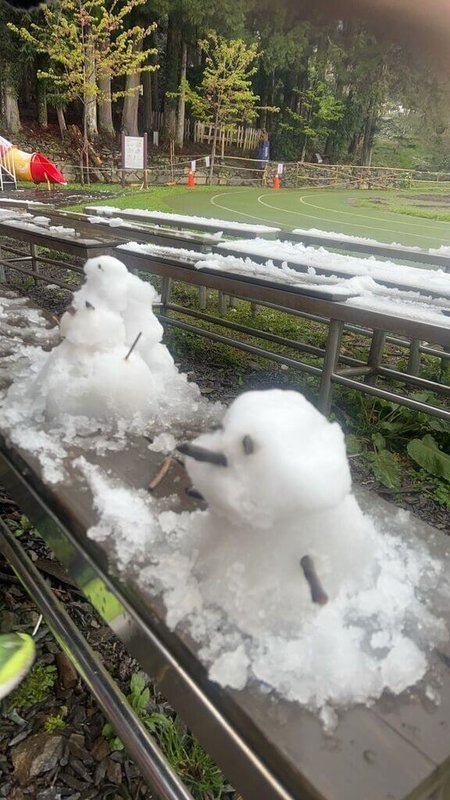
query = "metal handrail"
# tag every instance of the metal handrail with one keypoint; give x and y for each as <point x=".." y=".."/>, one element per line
<point x="7" y="164"/>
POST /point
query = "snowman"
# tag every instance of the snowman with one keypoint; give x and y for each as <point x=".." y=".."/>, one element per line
<point x="92" y="372"/>
<point x="108" y="283"/>
<point x="283" y="533"/>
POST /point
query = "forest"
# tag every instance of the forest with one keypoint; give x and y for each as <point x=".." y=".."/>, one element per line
<point x="312" y="81"/>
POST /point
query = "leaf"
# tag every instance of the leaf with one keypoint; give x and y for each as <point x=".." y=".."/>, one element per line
<point x="354" y="444"/>
<point x="426" y="453"/>
<point x="440" y="425"/>
<point x="137" y="683"/>
<point x="378" y="441"/>
<point x="386" y="469"/>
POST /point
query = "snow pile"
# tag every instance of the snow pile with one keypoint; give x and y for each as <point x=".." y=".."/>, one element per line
<point x="443" y="250"/>
<point x="414" y="278"/>
<point x="179" y="219"/>
<point x="110" y="374"/>
<point x="345" y="237"/>
<point x="35" y="224"/>
<point x="277" y="483"/>
<point x="116" y="222"/>
<point x="172" y="253"/>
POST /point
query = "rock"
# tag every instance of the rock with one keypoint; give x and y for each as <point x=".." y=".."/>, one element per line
<point x="100" y="749"/>
<point x="16" y="794"/>
<point x="68" y="676"/>
<point x="77" y="748"/>
<point x="114" y="772"/>
<point x="8" y="621"/>
<point x="49" y="794"/>
<point x="34" y="756"/>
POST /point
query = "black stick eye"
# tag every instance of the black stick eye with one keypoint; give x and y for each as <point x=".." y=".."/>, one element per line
<point x="248" y="445"/>
<point x="99" y="266"/>
<point x="89" y="305"/>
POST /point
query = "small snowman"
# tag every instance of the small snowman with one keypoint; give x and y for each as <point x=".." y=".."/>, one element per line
<point x="283" y="532"/>
<point x="93" y="374"/>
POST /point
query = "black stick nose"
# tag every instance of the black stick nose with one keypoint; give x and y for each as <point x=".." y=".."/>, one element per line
<point x="203" y="454"/>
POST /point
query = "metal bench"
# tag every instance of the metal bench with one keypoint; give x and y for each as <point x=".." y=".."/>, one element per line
<point x="336" y="368"/>
<point x="379" y="250"/>
<point x="236" y="229"/>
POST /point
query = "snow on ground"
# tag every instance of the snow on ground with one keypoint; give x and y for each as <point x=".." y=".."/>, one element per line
<point x="426" y="280"/>
<point x="278" y="488"/>
<point x="179" y="219"/>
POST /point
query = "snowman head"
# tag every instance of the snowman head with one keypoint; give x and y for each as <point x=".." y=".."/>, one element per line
<point x="107" y="281"/>
<point x="274" y="458"/>
<point x="103" y="268"/>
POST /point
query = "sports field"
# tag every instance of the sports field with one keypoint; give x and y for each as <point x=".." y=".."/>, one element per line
<point x="328" y="209"/>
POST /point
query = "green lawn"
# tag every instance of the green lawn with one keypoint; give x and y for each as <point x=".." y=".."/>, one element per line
<point x="359" y="213"/>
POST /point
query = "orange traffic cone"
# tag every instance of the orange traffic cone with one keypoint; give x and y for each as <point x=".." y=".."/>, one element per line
<point x="191" y="179"/>
<point x="276" y="182"/>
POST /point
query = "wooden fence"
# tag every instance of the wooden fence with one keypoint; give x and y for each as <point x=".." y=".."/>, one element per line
<point x="241" y="136"/>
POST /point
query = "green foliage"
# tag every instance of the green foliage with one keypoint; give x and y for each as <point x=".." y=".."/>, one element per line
<point x="35" y="688"/>
<point x="56" y="722"/>
<point x="385" y="450"/>
<point x="83" y="42"/>
<point x="183" y="751"/>
<point x="427" y="454"/>
<point x="22" y="526"/>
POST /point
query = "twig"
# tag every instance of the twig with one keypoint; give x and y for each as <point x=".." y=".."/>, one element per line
<point x="203" y="454"/>
<point x="133" y="345"/>
<point x="317" y="593"/>
<point x="162" y="472"/>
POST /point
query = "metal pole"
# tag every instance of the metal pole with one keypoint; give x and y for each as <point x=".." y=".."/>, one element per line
<point x="34" y="261"/>
<point x="375" y="355"/>
<point x="329" y="364"/>
<point x="140" y="745"/>
<point x="414" y="357"/>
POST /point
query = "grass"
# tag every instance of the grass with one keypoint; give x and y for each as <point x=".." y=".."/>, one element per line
<point x="183" y="751"/>
<point x="35" y="688"/>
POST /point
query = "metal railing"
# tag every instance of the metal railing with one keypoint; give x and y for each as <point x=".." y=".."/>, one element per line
<point x="7" y="166"/>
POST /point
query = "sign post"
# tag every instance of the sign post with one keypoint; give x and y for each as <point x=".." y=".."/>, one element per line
<point x="134" y="155"/>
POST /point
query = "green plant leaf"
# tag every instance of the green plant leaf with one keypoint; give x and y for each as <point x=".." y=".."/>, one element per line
<point x="426" y="453"/>
<point x="137" y="683"/>
<point x="386" y="469"/>
<point x="378" y="441"/>
<point x="439" y="425"/>
<point x="354" y="443"/>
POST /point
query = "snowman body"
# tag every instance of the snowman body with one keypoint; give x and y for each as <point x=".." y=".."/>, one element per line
<point x="284" y="493"/>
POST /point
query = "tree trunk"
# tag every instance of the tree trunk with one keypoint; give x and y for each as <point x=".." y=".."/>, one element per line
<point x="131" y="100"/>
<point x="61" y="122"/>
<point x="105" y="120"/>
<point x="147" y="101"/>
<point x="302" y="157"/>
<point x="214" y="147"/>
<point x="173" y="50"/>
<point x="42" y="105"/>
<point x="369" y="132"/>
<point x="182" y="98"/>
<point x="90" y="88"/>
<point x="11" y="108"/>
